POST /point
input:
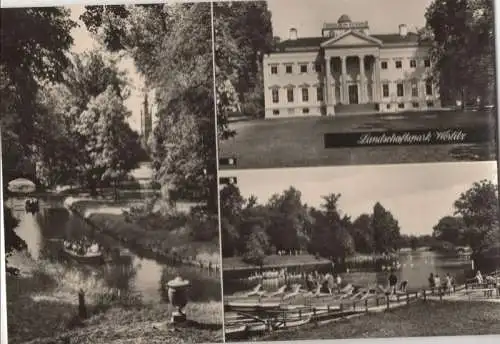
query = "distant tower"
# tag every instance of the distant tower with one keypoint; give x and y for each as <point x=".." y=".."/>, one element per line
<point x="146" y="119"/>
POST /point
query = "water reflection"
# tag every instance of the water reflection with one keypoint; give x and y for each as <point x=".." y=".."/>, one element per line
<point x="54" y="233"/>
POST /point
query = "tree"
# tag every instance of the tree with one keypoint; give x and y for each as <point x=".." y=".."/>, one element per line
<point x="12" y="241"/>
<point x="385" y="229"/>
<point x="362" y="233"/>
<point x="450" y="229"/>
<point x="256" y="246"/>
<point x="478" y="207"/>
<point x="462" y="35"/>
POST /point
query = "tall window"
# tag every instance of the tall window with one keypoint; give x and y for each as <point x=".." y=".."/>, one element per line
<point x="288" y="69"/>
<point x="428" y="88"/>
<point x="383" y="64"/>
<point x="276" y="95"/>
<point x="385" y="90"/>
<point x="427" y="63"/>
<point x="414" y="89"/>
<point x="400" y="90"/>
<point x="317" y="67"/>
<point x="413" y="63"/>
<point x="274" y="69"/>
<point x="289" y="95"/>
<point x="319" y="94"/>
<point x="399" y="64"/>
<point x="303" y="68"/>
<point x="305" y="94"/>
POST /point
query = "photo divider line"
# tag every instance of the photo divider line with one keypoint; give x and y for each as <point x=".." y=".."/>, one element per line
<point x="217" y="167"/>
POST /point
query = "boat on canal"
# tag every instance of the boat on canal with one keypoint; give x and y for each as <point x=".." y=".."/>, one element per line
<point x="84" y="254"/>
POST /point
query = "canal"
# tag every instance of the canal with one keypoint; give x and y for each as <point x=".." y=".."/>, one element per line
<point x="46" y="232"/>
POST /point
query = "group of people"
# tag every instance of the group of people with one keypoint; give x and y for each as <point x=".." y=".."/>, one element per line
<point x="393" y="284"/>
<point x="328" y="282"/>
<point x="446" y="284"/>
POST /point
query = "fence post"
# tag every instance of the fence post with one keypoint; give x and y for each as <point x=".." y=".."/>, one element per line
<point x="341" y="306"/>
<point x="407" y="298"/>
<point x="387" y="299"/>
<point x="366" y="305"/>
<point x="354" y="305"/>
<point x="397" y="297"/>
<point x="327" y="309"/>
<point x="284" y="319"/>
<point x="377" y="301"/>
<point x="82" y="308"/>
<point x="440" y="291"/>
<point x="300" y="314"/>
<point x="425" y="298"/>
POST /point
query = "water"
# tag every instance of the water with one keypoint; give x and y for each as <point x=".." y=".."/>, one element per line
<point x="415" y="267"/>
<point x="45" y="232"/>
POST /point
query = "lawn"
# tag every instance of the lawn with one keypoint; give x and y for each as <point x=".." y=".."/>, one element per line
<point x="419" y="319"/>
<point x="298" y="142"/>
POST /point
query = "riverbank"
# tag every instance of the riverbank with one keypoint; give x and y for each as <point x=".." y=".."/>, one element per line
<point x="42" y="307"/>
<point x="431" y="318"/>
<point x="181" y="238"/>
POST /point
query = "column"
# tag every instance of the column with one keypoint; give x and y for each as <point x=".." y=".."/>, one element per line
<point x="330" y="110"/>
<point x="343" y="81"/>
<point x="378" y="86"/>
<point x="362" y="79"/>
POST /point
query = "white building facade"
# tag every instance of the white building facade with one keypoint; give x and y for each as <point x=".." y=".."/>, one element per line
<point x="348" y="70"/>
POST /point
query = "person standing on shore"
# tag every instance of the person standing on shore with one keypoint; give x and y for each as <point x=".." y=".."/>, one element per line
<point x="330" y="283"/>
<point x="393" y="281"/>
<point x="437" y="282"/>
<point x="449" y="283"/>
<point x="431" y="282"/>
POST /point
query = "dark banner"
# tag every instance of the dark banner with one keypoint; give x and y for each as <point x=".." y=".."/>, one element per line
<point x="407" y="137"/>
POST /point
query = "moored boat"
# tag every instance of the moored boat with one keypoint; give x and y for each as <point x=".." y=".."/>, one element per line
<point x="91" y="255"/>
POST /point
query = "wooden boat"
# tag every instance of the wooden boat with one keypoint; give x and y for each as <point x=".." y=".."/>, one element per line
<point x="290" y="324"/>
<point x="234" y="330"/>
<point x="87" y="258"/>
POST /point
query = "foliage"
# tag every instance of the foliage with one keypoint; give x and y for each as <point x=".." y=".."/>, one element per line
<point x="171" y="47"/>
<point x="385" y="229"/>
<point x="12" y="241"/>
<point x="450" y="229"/>
<point x="462" y="32"/>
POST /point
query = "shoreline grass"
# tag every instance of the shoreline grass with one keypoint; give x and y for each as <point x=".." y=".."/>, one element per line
<point x="431" y="318"/>
<point x="42" y="307"/>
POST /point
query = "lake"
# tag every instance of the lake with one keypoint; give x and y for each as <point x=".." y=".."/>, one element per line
<point x="46" y="231"/>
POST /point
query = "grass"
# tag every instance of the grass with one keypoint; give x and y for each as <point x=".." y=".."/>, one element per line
<point x="419" y="319"/>
<point x="298" y="142"/>
<point x="42" y="307"/>
<point x="231" y="263"/>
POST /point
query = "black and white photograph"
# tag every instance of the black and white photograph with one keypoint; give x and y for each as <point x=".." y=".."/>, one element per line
<point x="366" y="251"/>
<point x="348" y="82"/>
<point x="110" y="174"/>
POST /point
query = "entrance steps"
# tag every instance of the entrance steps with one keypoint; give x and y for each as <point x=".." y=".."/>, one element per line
<point x="355" y="109"/>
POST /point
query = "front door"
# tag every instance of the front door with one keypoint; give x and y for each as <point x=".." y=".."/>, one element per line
<point x="353" y="94"/>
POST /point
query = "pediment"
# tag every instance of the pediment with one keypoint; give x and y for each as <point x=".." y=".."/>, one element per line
<point x="351" y="38"/>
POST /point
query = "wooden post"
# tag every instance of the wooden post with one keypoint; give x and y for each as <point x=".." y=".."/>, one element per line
<point x="300" y="314"/>
<point x="354" y="305"/>
<point x="327" y="309"/>
<point x="284" y="319"/>
<point x="407" y="298"/>
<point x="387" y="299"/>
<point x="82" y="308"/>
<point x="377" y="301"/>
<point x="397" y="297"/>
<point x="341" y="306"/>
<point x="440" y="294"/>
<point x="425" y="298"/>
<point x="366" y="305"/>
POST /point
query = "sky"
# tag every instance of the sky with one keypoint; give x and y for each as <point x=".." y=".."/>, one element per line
<point x="418" y="195"/>
<point x="83" y="41"/>
<point x="308" y="16"/>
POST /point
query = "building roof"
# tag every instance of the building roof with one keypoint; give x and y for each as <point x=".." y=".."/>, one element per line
<point x="315" y="42"/>
<point x="344" y="19"/>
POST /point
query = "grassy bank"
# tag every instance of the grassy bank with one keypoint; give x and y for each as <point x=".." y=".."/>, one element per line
<point x="42" y="306"/>
<point x="420" y="319"/>
<point x="271" y="261"/>
<point x="295" y="142"/>
<point x="179" y="236"/>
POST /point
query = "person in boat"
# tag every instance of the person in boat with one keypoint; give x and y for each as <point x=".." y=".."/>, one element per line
<point x="393" y="281"/>
<point x="432" y="284"/>
<point x="479" y="277"/>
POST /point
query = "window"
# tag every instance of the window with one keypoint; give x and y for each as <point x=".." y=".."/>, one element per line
<point x="305" y="94"/>
<point x="385" y="90"/>
<point x="276" y="112"/>
<point x="427" y="63"/>
<point x="414" y="104"/>
<point x="388" y="106"/>
<point x="401" y="105"/>
<point x="274" y="69"/>
<point x="303" y="68"/>
<point x="414" y="89"/>
<point x="413" y="63"/>
<point x="319" y="94"/>
<point x="399" y="64"/>
<point x="276" y="95"/>
<point x="383" y="64"/>
<point x="430" y="104"/>
<point x="400" y="90"/>
<point x="317" y="67"/>
<point x="428" y="88"/>
<point x="289" y="95"/>
<point x="288" y="69"/>
<point x="305" y="110"/>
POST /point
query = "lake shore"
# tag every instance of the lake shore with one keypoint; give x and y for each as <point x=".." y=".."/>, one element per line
<point x="431" y="318"/>
<point x="42" y="307"/>
<point x="154" y="237"/>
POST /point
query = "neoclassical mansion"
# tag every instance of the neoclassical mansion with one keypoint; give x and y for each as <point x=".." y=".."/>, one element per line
<point x="348" y="70"/>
